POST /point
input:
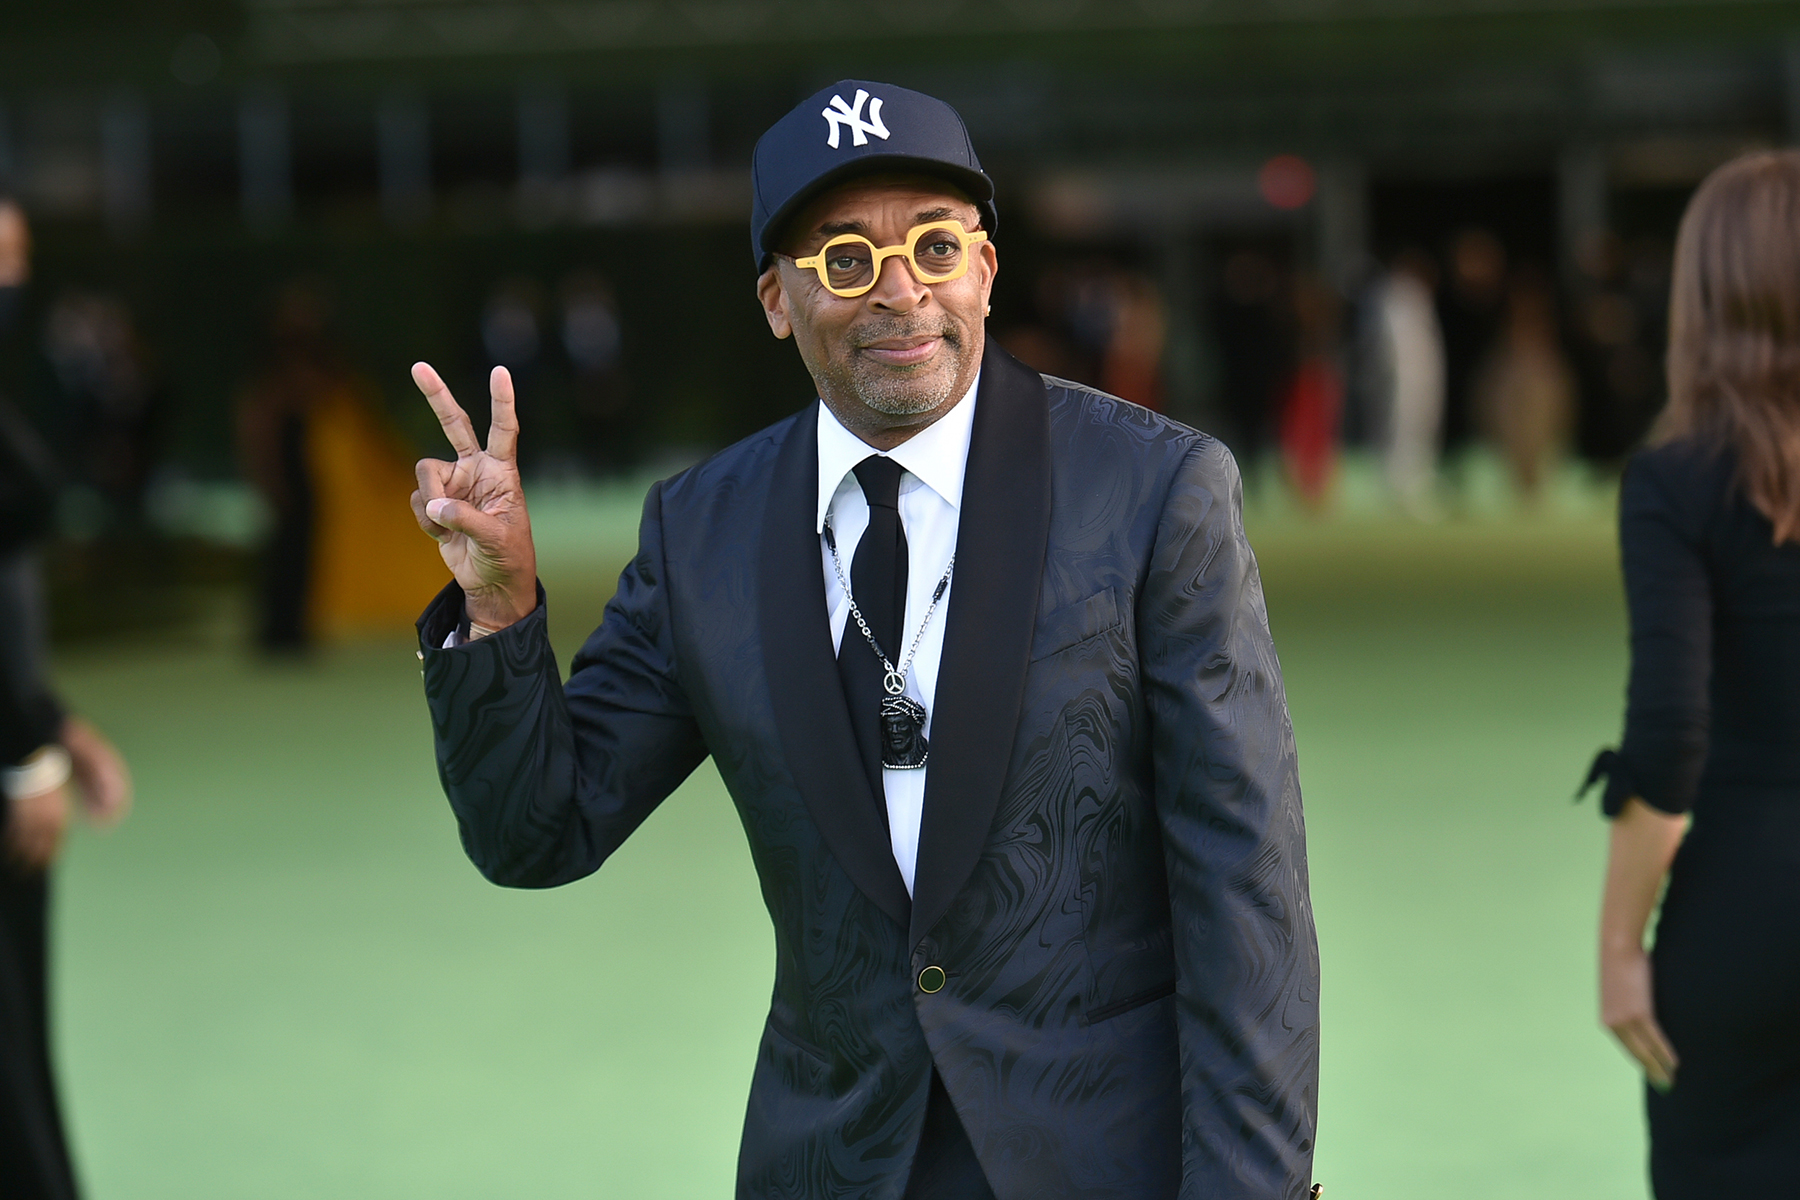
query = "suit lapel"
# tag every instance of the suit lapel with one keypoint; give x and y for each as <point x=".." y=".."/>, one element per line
<point x="1000" y="544"/>
<point x="804" y="689"/>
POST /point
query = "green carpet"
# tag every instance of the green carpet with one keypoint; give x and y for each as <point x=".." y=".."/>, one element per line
<point x="282" y="979"/>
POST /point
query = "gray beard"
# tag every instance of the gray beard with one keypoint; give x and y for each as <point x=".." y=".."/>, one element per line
<point x="903" y="395"/>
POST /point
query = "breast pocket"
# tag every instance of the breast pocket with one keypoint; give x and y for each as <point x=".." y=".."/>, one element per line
<point x="1073" y="624"/>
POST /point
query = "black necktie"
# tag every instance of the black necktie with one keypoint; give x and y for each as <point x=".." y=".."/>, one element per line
<point x="878" y="582"/>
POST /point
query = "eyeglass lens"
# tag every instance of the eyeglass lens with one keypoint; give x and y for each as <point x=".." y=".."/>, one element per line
<point x="937" y="253"/>
<point x="849" y="265"/>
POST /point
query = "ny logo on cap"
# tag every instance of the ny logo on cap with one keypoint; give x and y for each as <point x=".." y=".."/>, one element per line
<point x="841" y="114"/>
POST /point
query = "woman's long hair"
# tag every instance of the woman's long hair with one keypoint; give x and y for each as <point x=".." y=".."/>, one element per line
<point x="1734" y="328"/>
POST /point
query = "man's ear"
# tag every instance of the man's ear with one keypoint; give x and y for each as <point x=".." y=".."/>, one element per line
<point x="774" y="300"/>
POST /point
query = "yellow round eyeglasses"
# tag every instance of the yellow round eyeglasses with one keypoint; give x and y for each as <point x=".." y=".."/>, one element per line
<point x="849" y="264"/>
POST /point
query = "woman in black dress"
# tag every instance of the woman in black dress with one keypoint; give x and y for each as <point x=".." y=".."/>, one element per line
<point x="1709" y="527"/>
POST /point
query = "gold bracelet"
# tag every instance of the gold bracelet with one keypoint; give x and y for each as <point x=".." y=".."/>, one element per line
<point x="479" y="631"/>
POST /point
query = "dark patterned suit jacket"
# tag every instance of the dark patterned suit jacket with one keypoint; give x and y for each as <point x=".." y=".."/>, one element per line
<point x="1112" y="866"/>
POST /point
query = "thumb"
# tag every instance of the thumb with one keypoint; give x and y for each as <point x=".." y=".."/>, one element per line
<point x="464" y="518"/>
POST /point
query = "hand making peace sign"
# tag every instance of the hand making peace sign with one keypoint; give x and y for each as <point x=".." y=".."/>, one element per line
<point x="475" y="507"/>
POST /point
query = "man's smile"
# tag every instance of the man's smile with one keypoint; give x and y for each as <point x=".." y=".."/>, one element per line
<point x="904" y="352"/>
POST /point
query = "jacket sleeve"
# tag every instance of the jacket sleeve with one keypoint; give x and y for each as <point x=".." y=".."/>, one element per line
<point x="1228" y="799"/>
<point x="30" y="714"/>
<point x="546" y="781"/>
<point x="30" y="719"/>
<point x="1669" y="592"/>
<point x="28" y="483"/>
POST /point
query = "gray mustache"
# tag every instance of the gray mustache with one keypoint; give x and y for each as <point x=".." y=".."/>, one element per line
<point x="879" y="333"/>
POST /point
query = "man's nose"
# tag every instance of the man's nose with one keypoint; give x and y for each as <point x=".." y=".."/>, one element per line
<point x="897" y="289"/>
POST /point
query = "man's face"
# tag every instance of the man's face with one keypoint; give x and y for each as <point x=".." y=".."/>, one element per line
<point x="890" y="361"/>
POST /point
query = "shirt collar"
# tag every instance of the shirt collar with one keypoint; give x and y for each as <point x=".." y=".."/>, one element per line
<point x="937" y="455"/>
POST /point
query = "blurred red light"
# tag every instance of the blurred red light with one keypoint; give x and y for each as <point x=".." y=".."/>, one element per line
<point x="1286" y="181"/>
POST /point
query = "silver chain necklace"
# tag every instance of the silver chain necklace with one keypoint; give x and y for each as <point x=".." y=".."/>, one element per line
<point x="902" y="718"/>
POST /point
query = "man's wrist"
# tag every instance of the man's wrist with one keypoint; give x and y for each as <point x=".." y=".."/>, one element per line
<point x="489" y="614"/>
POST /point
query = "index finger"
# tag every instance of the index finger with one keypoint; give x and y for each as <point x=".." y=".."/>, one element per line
<point x="449" y="413"/>
<point x="503" y="430"/>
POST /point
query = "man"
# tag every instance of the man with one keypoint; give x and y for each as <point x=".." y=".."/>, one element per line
<point x="983" y="660"/>
<point x="42" y="750"/>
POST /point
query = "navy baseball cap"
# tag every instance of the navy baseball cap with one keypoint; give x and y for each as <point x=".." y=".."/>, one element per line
<point x="855" y="128"/>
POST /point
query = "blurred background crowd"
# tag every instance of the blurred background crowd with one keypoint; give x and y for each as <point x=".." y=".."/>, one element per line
<point x="1426" y="236"/>
<point x="1410" y="260"/>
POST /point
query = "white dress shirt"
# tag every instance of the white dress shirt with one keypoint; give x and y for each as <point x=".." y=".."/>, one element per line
<point x="934" y="460"/>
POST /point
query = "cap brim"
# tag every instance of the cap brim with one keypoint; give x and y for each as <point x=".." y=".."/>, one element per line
<point x="976" y="184"/>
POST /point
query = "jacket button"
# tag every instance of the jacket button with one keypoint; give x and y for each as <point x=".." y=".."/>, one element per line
<point x="931" y="979"/>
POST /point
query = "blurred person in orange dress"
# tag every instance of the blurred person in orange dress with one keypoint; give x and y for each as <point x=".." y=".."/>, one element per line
<point x="43" y="749"/>
<point x="1524" y="393"/>
<point x="313" y="442"/>
<point x="1312" y="404"/>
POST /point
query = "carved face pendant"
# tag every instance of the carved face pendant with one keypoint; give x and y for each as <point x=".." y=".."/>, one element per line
<point x="903" y="744"/>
